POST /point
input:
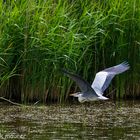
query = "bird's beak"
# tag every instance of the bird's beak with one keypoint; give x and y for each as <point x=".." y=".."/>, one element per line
<point x="75" y="94"/>
<point x="72" y="94"/>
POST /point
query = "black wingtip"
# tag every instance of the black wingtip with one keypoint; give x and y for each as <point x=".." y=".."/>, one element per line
<point x="64" y="71"/>
<point x="125" y="63"/>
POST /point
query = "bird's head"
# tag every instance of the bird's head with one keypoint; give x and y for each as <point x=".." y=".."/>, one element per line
<point x="81" y="99"/>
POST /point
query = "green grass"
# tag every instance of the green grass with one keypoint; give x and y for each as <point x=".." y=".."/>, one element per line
<point x="37" y="39"/>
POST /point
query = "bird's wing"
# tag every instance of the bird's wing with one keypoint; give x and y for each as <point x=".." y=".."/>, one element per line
<point x="83" y="85"/>
<point x="103" y="78"/>
<point x="118" y="68"/>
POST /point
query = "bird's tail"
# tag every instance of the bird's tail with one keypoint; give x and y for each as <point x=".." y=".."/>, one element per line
<point x="103" y="98"/>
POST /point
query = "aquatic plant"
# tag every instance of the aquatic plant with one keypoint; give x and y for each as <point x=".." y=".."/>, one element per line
<point x="37" y="38"/>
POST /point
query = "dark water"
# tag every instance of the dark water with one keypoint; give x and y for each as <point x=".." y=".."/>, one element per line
<point x="99" y="120"/>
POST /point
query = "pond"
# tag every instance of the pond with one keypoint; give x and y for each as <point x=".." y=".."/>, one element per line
<point x="98" y="120"/>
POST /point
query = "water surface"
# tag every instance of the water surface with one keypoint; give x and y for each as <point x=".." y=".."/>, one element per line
<point x="98" y="120"/>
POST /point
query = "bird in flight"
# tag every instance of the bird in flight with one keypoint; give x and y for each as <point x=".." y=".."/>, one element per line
<point x="100" y="84"/>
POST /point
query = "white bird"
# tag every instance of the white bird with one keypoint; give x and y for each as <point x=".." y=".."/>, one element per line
<point x="101" y="82"/>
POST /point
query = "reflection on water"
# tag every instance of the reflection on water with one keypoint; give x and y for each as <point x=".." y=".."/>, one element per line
<point x="98" y="120"/>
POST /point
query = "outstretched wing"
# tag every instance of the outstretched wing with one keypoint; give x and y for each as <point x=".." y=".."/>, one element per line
<point x="103" y="78"/>
<point x="83" y="85"/>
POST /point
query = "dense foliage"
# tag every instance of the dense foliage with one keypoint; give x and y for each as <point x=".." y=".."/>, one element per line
<point x="38" y="38"/>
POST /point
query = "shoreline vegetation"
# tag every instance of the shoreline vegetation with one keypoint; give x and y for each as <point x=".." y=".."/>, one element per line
<point x="38" y="38"/>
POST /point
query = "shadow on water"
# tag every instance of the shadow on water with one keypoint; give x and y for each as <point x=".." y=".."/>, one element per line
<point x="99" y="120"/>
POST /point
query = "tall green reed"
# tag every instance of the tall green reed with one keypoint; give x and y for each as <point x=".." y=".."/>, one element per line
<point x="38" y="38"/>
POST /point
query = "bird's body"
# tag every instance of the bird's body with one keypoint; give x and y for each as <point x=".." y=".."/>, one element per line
<point x="101" y="82"/>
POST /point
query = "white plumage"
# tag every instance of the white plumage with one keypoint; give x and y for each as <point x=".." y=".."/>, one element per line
<point x="104" y="77"/>
<point x="99" y="85"/>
